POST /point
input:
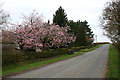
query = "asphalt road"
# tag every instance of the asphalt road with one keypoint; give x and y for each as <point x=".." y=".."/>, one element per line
<point x="89" y="65"/>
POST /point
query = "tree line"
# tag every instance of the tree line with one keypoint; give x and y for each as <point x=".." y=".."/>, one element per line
<point x="80" y="29"/>
<point x="34" y="34"/>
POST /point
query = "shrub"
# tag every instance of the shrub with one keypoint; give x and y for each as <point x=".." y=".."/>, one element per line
<point x="83" y="47"/>
<point x="84" y="50"/>
<point x="90" y="46"/>
<point x="46" y="54"/>
<point x="61" y="51"/>
<point x="71" y="51"/>
<point x="117" y="45"/>
<point x="12" y="56"/>
<point x="76" y="49"/>
<point x="38" y="55"/>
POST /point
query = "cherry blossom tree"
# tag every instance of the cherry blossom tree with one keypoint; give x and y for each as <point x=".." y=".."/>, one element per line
<point x="39" y="35"/>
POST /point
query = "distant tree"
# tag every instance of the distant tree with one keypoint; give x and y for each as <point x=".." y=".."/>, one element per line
<point x="89" y="36"/>
<point x="3" y="18"/>
<point x="89" y="33"/>
<point x="110" y="20"/>
<point x="60" y="17"/>
<point x="84" y="35"/>
<point x="80" y="36"/>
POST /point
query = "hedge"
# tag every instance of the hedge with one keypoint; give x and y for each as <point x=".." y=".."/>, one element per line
<point x="17" y="56"/>
<point x="12" y="56"/>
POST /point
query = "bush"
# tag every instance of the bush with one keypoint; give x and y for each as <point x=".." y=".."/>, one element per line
<point x="61" y="51"/>
<point x="10" y="55"/>
<point x="84" y="50"/>
<point x="83" y="47"/>
<point x="46" y="54"/>
<point x="38" y="55"/>
<point x="76" y="49"/>
<point x="90" y="46"/>
<point x="117" y="45"/>
<point x="70" y="51"/>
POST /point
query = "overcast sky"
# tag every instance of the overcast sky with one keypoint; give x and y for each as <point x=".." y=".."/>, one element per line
<point x="89" y="10"/>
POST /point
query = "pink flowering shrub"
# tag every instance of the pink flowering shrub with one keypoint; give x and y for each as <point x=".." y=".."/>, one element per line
<point x="38" y="35"/>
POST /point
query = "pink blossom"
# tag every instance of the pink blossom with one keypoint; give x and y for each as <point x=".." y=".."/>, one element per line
<point x="33" y="36"/>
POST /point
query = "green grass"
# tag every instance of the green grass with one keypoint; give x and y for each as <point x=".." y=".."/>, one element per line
<point x="113" y="63"/>
<point x="95" y="47"/>
<point x="11" y="69"/>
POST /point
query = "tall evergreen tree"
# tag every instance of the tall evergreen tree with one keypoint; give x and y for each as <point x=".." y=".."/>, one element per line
<point x="80" y="36"/>
<point x="60" y="17"/>
<point x="82" y="31"/>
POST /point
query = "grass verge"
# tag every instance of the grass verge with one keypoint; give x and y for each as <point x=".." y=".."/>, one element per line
<point x="25" y="66"/>
<point x="113" y="63"/>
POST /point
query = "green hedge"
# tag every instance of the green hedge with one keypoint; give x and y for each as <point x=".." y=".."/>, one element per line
<point x="42" y="54"/>
<point x="75" y="49"/>
<point x="12" y="56"/>
<point x="90" y="46"/>
<point x="62" y="51"/>
<point x="9" y="55"/>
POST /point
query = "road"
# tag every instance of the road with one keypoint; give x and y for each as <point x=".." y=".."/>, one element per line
<point x="89" y="65"/>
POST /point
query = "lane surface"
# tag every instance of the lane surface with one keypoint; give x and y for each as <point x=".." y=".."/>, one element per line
<point x="89" y="65"/>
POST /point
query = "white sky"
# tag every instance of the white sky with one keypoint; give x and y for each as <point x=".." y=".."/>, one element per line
<point x="89" y="10"/>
